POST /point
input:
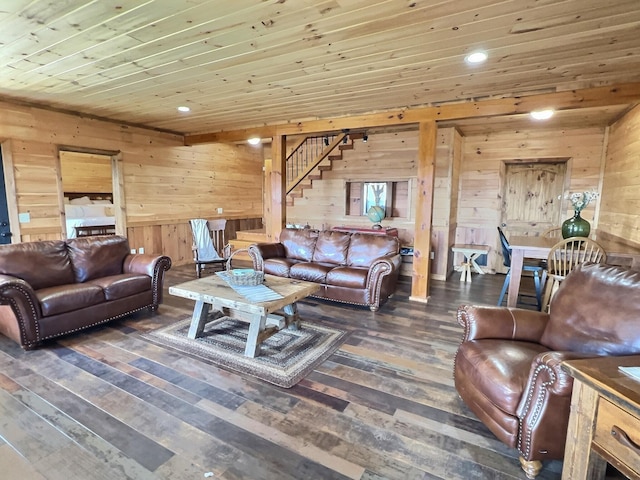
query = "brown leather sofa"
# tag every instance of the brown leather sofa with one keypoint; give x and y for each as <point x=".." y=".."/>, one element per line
<point x="50" y="288"/>
<point x="508" y="366"/>
<point x="355" y="268"/>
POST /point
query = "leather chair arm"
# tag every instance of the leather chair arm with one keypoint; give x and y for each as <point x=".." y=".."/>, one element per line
<point x="501" y="322"/>
<point x="545" y="404"/>
<point x="261" y="251"/>
<point x="21" y="324"/>
<point x="152" y="265"/>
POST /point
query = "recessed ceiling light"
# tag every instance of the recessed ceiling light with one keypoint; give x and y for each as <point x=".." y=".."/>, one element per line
<point x="184" y="109"/>
<point x="476" y="57"/>
<point x="254" y="140"/>
<point x="542" y="114"/>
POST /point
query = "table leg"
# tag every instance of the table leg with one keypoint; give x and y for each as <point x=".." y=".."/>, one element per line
<point x="291" y="314"/>
<point x="517" y="260"/>
<point x="476" y="267"/>
<point x="256" y="326"/>
<point x="198" y="319"/>
<point x="581" y="462"/>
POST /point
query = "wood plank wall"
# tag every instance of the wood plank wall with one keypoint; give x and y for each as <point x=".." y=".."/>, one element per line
<point x="620" y="206"/>
<point x="479" y="207"/>
<point x="85" y="172"/>
<point x="165" y="182"/>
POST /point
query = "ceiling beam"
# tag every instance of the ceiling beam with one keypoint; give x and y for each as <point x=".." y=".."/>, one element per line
<point x="566" y="100"/>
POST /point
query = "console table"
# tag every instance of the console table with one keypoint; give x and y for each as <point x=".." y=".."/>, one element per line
<point x="377" y="231"/>
<point x="604" y="425"/>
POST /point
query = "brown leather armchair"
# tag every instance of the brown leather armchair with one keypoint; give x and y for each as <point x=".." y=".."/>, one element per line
<point x="507" y="368"/>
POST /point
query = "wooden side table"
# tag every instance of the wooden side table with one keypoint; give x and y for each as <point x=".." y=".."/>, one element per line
<point x="604" y="425"/>
<point x="471" y="253"/>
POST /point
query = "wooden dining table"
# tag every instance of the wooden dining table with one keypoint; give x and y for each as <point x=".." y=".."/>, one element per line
<point x="618" y="253"/>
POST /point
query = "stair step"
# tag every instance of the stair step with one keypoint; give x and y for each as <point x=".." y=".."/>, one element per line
<point x="346" y="146"/>
<point x="253" y="236"/>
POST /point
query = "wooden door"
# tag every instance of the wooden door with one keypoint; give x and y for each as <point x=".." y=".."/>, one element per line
<point x="530" y="197"/>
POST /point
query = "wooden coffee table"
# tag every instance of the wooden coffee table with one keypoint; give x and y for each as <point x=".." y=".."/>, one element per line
<point x="213" y="291"/>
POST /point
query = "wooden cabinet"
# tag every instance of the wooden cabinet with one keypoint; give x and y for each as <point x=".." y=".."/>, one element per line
<point x="604" y="425"/>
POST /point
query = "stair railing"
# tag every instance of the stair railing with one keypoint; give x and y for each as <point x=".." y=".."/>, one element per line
<point x="307" y="155"/>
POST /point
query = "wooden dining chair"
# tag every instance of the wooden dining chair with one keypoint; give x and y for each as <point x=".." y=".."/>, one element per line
<point x="210" y="248"/>
<point x="553" y="232"/>
<point x="566" y="255"/>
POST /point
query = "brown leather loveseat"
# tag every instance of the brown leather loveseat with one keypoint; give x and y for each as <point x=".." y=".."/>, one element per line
<point x="508" y="366"/>
<point x="50" y="288"/>
<point x="355" y="268"/>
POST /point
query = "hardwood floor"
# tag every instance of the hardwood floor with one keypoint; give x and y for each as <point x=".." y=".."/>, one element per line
<point x="105" y="404"/>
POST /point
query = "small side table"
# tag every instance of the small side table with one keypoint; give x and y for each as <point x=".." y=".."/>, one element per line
<point x="471" y="253"/>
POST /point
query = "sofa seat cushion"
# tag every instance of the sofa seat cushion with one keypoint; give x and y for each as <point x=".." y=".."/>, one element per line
<point x="124" y="285"/>
<point x="351" y="277"/>
<point x="279" y="266"/>
<point x="311" y="271"/>
<point x="66" y="298"/>
<point x="498" y="368"/>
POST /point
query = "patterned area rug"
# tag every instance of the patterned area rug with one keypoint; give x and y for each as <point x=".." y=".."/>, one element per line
<point x="285" y="358"/>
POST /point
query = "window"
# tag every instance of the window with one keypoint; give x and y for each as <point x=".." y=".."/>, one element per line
<point x="393" y="196"/>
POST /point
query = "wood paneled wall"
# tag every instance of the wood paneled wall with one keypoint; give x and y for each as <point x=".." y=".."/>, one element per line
<point x="479" y="205"/>
<point x="85" y="172"/>
<point x="165" y="183"/>
<point x="620" y="205"/>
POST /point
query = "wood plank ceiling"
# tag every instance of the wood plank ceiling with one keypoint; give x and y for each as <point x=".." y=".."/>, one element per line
<point x="245" y="63"/>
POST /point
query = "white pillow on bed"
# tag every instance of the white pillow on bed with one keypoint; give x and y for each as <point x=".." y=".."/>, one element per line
<point x="101" y="202"/>
<point x="74" y="211"/>
<point x="80" y="201"/>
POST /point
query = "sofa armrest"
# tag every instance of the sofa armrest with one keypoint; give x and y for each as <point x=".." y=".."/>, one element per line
<point x="501" y="322"/>
<point x="546" y="404"/>
<point x="20" y="323"/>
<point x="383" y="266"/>
<point x="152" y="265"/>
<point x="262" y="251"/>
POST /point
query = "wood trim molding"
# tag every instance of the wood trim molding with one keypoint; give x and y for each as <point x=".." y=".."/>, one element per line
<point x="565" y="100"/>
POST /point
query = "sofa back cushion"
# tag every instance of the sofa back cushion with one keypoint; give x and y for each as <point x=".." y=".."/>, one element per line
<point x="332" y="247"/>
<point x="596" y="311"/>
<point x="299" y="243"/>
<point x="365" y="248"/>
<point x="96" y="257"/>
<point x="40" y="264"/>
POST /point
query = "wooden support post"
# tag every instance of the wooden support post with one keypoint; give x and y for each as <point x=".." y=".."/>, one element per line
<point x="277" y="186"/>
<point x="424" y="197"/>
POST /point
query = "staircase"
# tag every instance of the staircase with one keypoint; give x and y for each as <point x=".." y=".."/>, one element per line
<point x="243" y="240"/>
<point x="308" y="159"/>
<point x="311" y="157"/>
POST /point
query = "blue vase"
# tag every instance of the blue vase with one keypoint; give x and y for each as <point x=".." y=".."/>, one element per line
<point x="575" y="226"/>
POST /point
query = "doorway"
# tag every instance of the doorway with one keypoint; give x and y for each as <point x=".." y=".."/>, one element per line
<point x="92" y="193"/>
<point x="531" y="196"/>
